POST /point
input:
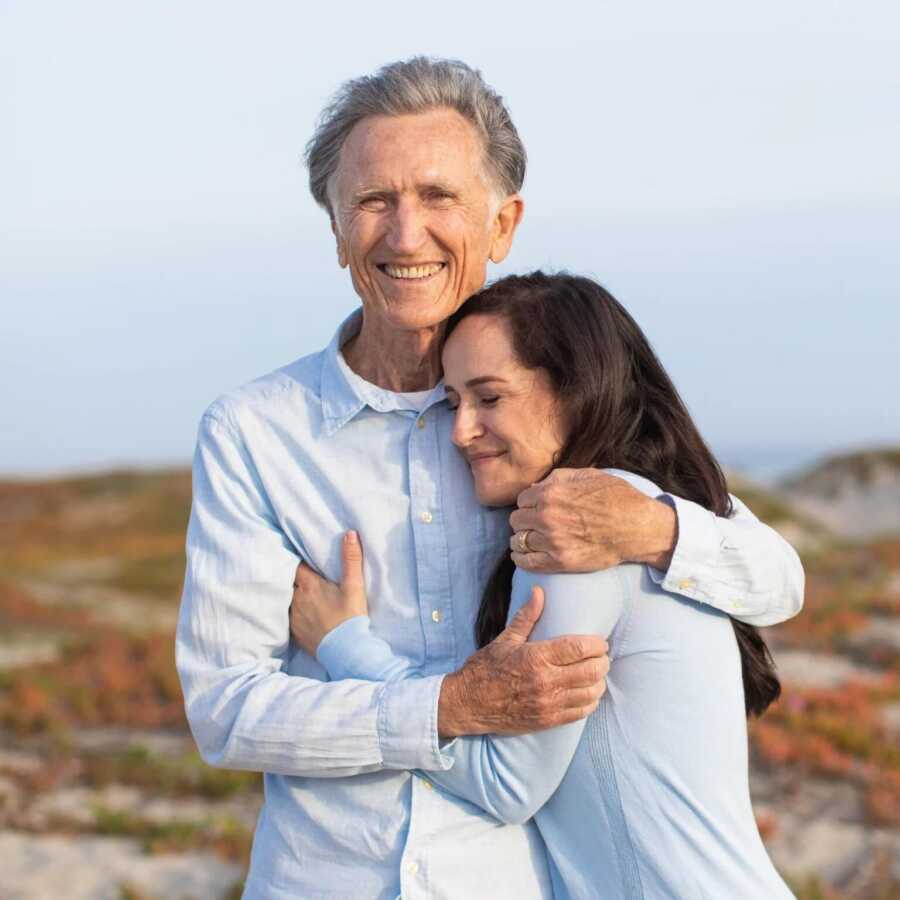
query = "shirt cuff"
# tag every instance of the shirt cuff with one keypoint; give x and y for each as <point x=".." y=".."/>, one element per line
<point x="699" y="543"/>
<point x="338" y="650"/>
<point x="407" y="724"/>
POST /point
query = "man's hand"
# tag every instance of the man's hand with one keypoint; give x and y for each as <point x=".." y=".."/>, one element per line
<point x="513" y="687"/>
<point x="583" y="520"/>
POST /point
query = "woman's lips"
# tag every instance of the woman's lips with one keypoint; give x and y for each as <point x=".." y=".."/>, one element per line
<point x="478" y="459"/>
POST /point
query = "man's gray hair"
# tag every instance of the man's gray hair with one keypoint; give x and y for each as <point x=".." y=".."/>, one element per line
<point x="413" y="86"/>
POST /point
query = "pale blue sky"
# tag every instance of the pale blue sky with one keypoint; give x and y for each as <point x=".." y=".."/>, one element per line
<point x="730" y="171"/>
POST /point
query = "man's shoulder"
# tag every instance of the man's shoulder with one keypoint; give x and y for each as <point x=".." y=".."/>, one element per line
<point x="294" y="385"/>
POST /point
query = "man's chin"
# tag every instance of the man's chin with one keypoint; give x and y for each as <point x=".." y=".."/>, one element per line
<point x="413" y="315"/>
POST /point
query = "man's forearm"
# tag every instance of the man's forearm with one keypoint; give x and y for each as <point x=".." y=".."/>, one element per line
<point x="656" y="538"/>
<point x="255" y="719"/>
<point x="455" y="713"/>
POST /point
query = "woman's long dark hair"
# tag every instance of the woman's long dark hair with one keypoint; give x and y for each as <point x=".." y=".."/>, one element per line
<point x="622" y="411"/>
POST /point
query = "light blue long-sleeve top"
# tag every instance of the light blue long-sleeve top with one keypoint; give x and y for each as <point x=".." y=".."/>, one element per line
<point x="647" y="798"/>
<point x="283" y="467"/>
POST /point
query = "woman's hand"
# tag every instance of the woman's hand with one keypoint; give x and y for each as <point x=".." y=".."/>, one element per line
<point x="318" y="606"/>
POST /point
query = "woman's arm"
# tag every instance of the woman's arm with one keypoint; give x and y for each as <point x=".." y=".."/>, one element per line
<point x="508" y="777"/>
<point x="513" y="777"/>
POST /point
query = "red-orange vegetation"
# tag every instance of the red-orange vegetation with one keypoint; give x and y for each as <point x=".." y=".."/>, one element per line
<point x="18" y="607"/>
<point x="776" y="745"/>
<point x="108" y="679"/>
<point x="767" y="825"/>
<point x="883" y="799"/>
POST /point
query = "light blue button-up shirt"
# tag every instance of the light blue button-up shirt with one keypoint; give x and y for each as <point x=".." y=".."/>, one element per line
<point x="283" y="467"/>
<point x="649" y="796"/>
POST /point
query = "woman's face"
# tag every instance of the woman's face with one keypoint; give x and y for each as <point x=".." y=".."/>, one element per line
<point x="508" y="424"/>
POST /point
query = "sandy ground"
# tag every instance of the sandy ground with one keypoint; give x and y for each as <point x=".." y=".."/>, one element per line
<point x="53" y="867"/>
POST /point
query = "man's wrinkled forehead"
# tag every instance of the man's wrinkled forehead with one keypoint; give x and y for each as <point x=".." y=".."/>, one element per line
<point x="437" y="148"/>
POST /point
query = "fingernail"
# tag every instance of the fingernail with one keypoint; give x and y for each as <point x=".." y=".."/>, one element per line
<point x="351" y="537"/>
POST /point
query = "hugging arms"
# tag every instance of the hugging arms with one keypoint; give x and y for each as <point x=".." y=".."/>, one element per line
<point x="588" y="520"/>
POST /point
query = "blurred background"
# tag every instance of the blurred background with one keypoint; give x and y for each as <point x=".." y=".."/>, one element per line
<point x="729" y="172"/>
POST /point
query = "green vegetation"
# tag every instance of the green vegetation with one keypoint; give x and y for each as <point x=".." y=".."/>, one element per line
<point x="176" y="776"/>
<point x="103" y="678"/>
<point x="227" y="838"/>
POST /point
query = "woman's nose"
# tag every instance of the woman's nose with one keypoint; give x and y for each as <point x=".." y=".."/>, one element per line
<point x="466" y="427"/>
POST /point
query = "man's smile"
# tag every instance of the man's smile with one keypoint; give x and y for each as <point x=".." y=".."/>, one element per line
<point x="419" y="272"/>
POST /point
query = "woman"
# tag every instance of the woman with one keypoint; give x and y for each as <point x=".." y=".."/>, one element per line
<point x="649" y="796"/>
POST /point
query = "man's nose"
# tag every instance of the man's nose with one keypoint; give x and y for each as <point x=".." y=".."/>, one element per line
<point x="466" y="427"/>
<point x="407" y="231"/>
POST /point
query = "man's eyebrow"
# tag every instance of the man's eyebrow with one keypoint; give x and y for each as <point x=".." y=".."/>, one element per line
<point x="363" y="193"/>
<point x="436" y="186"/>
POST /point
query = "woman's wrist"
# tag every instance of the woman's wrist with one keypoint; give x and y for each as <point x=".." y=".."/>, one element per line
<point x="334" y="648"/>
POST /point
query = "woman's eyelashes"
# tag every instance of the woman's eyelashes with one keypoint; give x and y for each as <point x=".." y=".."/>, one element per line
<point x="453" y="402"/>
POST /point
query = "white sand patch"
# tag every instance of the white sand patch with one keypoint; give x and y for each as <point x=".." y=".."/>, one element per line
<point x="79" y="806"/>
<point x="26" y="651"/>
<point x="36" y="867"/>
<point x="890" y="715"/>
<point x="808" y="669"/>
<point x="106" y="604"/>
<point x="112" y="739"/>
<point x="882" y="630"/>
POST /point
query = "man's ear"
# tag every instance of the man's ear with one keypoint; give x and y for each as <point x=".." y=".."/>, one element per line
<point x="341" y="251"/>
<point x="505" y="224"/>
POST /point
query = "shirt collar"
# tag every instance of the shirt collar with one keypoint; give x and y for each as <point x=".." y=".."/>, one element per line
<point x="344" y="393"/>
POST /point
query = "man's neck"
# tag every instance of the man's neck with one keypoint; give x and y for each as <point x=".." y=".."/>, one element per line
<point x="396" y="360"/>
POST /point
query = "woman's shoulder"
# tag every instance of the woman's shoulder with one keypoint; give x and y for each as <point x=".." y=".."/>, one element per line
<point x="644" y="485"/>
<point x="569" y="582"/>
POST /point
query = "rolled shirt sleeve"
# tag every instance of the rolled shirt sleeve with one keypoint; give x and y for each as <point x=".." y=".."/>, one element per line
<point x="244" y="710"/>
<point x="738" y="565"/>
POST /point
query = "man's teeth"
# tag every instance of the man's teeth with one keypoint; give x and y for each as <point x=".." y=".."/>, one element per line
<point x="413" y="271"/>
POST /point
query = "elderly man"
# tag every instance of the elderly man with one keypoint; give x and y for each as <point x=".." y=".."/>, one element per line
<point x="419" y="168"/>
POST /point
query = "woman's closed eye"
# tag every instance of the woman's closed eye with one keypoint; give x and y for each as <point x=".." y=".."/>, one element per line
<point x="453" y="405"/>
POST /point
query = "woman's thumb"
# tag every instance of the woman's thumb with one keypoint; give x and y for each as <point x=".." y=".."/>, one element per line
<point x="523" y="622"/>
<point x="352" y="560"/>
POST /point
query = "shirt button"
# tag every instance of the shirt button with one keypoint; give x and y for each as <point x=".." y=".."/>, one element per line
<point x="426" y="517"/>
<point x="420" y="424"/>
<point x="412" y="868"/>
<point x="685" y="584"/>
<point x="436" y="615"/>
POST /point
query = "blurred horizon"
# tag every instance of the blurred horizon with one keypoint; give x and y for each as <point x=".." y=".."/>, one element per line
<point x="765" y="466"/>
<point x="729" y="173"/>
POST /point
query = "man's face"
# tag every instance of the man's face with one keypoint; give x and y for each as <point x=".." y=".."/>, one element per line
<point x="415" y="217"/>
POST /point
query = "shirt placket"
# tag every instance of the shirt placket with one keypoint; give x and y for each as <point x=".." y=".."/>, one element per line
<point x="429" y="527"/>
<point x="436" y="618"/>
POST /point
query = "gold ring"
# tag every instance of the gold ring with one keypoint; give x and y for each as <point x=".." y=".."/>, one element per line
<point x="522" y="541"/>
